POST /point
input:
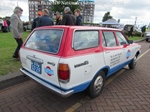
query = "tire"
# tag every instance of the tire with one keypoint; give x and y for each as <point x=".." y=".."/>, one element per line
<point x="146" y="40"/>
<point x="133" y="63"/>
<point x="97" y="85"/>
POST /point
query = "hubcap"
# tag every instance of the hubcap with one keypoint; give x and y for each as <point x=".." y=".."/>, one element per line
<point x="98" y="84"/>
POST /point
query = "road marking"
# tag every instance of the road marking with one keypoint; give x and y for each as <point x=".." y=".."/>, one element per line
<point x="85" y="99"/>
<point x="143" y="54"/>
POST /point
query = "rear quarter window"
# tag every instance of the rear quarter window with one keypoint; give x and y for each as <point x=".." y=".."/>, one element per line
<point x="85" y="39"/>
<point x="45" y="40"/>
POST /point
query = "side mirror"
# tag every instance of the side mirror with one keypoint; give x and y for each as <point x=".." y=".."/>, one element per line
<point x="125" y="45"/>
<point x="130" y="41"/>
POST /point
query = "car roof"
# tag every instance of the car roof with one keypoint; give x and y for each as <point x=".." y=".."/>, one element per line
<point x="78" y="27"/>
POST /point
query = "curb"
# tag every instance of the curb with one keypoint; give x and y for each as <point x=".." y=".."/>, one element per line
<point x="12" y="79"/>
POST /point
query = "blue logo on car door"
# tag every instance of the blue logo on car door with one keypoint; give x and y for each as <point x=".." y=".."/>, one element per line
<point x="128" y="54"/>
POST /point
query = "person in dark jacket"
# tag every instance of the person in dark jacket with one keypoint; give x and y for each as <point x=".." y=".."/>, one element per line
<point x="35" y="21"/>
<point x="68" y="18"/>
<point x="8" y="22"/>
<point x="58" y="18"/>
<point x="78" y="17"/>
<point x="130" y="32"/>
<point x="45" y="20"/>
<point x="143" y="29"/>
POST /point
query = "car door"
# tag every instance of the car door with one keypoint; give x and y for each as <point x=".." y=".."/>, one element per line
<point x="127" y="49"/>
<point x="112" y="52"/>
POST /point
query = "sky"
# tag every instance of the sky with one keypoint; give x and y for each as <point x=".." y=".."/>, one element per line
<point x="125" y="10"/>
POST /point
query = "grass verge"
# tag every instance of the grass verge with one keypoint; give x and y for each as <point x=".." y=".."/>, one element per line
<point x="135" y="38"/>
<point x="7" y="48"/>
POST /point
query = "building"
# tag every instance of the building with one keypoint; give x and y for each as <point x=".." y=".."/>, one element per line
<point x="38" y="5"/>
<point x="87" y="10"/>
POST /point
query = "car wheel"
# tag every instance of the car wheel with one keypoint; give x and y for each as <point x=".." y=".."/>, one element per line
<point x="133" y="63"/>
<point x="97" y="84"/>
<point x="146" y="40"/>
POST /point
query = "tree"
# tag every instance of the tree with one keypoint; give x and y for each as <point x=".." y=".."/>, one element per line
<point x="59" y="5"/>
<point x="107" y="16"/>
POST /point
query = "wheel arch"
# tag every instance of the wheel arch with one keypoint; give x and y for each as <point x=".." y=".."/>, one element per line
<point x="137" y="53"/>
<point x="104" y="69"/>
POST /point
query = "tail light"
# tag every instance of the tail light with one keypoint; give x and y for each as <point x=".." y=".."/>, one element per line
<point x="63" y="73"/>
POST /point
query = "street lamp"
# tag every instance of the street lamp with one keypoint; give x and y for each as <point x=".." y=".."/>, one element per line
<point x="135" y="20"/>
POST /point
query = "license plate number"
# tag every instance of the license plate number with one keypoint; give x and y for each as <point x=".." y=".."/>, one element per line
<point x="36" y="67"/>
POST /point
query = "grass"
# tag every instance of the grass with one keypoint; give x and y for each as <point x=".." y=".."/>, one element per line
<point x="7" y="48"/>
<point x="135" y="38"/>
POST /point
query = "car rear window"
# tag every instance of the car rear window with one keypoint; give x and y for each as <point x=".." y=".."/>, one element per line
<point x="45" y="40"/>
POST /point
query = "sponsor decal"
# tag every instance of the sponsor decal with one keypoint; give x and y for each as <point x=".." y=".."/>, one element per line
<point x="49" y="71"/>
<point x="128" y="54"/>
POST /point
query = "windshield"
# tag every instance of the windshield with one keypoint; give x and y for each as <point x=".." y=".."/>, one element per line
<point x="45" y="40"/>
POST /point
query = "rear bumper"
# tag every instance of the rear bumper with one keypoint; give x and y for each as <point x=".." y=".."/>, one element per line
<point x="51" y="87"/>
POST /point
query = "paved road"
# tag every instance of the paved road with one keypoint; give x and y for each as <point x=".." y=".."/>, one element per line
<point x="129" y="92"/>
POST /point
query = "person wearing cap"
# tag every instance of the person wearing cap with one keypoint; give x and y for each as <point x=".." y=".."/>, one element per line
<point x="35" y="21"/>
<point x="58" y="18"/>
<point x="45" y="20"/>
<point x="68" y="18"/>
<point x="78" y="17"/>
<point x="17" y="29"/>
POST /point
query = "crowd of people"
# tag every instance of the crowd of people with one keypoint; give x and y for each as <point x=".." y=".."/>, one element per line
<point x="68" y="18"/>
<point x="5" y="25"/>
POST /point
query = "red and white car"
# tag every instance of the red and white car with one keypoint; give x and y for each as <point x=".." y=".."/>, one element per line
<point x="70" y="59"/>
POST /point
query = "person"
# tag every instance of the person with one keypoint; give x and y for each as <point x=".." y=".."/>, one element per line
<point x="78" y="17"/>
<point x="143" y="31"/>
<point x="5" y="26"/>
<point x="131" y="31"/>
<point x="45" y="20"/>
<point x="17" y="29"/>
<point x="35" y="21"/>
<point x="58" y="18"/>
<point x="8" y="23"/>
<point x="68" y="18"/>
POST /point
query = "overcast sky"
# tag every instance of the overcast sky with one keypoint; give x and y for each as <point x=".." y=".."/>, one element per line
<point x="125" y="10"/>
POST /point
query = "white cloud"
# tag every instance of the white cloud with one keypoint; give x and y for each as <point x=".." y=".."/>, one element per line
<point x="7" y="7"/>
<point x="125" y="10"/>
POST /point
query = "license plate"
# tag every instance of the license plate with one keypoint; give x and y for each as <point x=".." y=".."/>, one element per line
<point x="36" y="67"/>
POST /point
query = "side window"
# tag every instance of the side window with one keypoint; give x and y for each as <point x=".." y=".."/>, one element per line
<point x="121" y="39"/>
<point x="85" y="39"/>
<point x="109" y="38"/>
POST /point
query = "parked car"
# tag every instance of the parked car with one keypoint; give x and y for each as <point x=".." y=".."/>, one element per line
<point x="71" y="59"/>
<point x="147" y="36"/>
